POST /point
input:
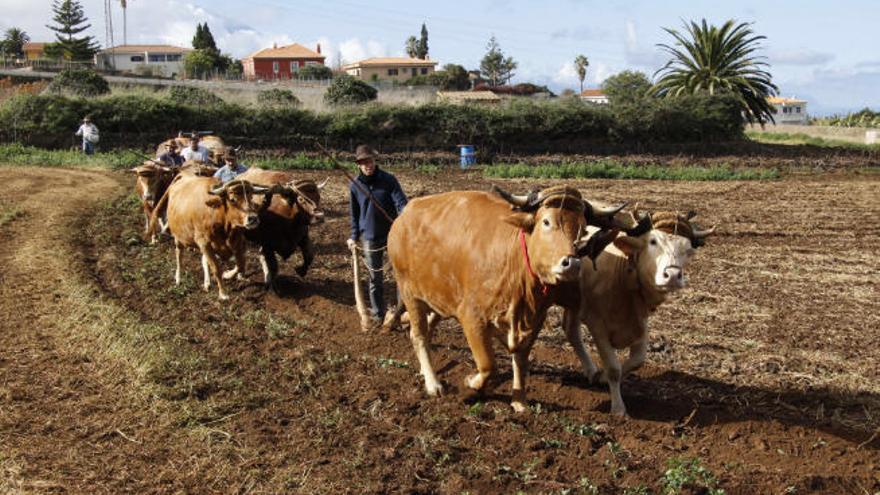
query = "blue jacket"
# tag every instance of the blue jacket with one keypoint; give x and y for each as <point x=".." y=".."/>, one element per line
<point x="367" y="222"/>
<point x="226" y="174"/>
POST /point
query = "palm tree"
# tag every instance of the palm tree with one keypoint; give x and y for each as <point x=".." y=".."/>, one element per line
<point x="14" y="40"/>
<point x="581" y="63"/>
<point x="412" y="47"/>
<point x="715" y="60"/>
<point x="124" y="5"/>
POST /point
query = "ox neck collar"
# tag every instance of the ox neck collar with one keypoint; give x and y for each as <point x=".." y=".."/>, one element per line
<point x="525" y="251"/>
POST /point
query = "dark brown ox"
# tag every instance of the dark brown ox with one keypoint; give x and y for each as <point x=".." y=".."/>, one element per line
<point x="632" y="278"/>
<point x="286" y="213"/>
<point x="212" y="217"/>
<point x="152" y="181"/>
<point x="467" y="255"/>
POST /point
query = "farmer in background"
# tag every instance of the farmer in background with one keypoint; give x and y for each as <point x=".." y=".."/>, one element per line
<point x="369" y="225"/>
<point x="171" y="157"/>
<point x="196" y="151"/>
<point x="89" y="133"/>
<point x="231" y="169"/>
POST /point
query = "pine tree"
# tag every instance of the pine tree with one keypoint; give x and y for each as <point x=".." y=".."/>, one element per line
<point x="198" y="39"/>
<point x="70" y="20"/>
<point x="422" y="48"/>
<point x="208" y="41"/>
<point x="495" y="66"/>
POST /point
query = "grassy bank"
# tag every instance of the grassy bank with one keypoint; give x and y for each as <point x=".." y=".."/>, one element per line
<point x="611" y="169"/>
<point x="804" y="139"/>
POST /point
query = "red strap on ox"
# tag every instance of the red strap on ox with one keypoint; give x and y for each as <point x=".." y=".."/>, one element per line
<point x="525" y="250"/>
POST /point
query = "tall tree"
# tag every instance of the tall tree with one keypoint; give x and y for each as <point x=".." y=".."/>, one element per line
<point x="204" y="40"/>
<point x="626" y="87"/>
<point x="495" y="66"/>
<point x="13" y="42"/>
<point x="423" y="43"/>
<point x="580" y="64"/>
<point x="711" y="59"/>
<point x="412" y="47"/>
<point x="69" y="21"/>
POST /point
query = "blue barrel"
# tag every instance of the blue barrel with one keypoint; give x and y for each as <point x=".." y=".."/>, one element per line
<point x="468" y="156"/>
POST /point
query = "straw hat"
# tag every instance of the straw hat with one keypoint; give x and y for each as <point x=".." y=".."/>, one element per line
<point x="364" y="152"/>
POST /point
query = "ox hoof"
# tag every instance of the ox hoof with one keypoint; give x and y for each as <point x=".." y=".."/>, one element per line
<point x="228" y="274"/>
<point x="223" y="297"/>
<point x="434" y="389"/>
<point x="475" y="381"/>
<point x="619" y="412"/>
<point x="301" y="271"/>
<point x="518" y="407"/>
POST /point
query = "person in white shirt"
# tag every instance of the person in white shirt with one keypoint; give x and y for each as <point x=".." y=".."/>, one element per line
<point x="89" y="133"/>
<point x="196" y="151"/>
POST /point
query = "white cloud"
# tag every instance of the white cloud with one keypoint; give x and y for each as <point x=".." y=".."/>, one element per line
<point x="802" y="56"/>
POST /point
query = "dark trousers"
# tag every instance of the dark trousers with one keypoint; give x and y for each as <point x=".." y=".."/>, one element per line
<point x="88" y="147"/>
<point x="374" y="255"/>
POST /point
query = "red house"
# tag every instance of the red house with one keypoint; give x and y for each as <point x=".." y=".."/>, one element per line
<point x="280" y="62"/>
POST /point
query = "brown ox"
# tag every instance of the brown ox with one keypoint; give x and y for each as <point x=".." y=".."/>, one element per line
<point x="152" y="181"/>
<point x="467" y="255"/>
<point x="215" y="145"/>
<point x="633" y="277"/>
<point x="192" y="167"/>
<point x="293" y="205"/>
<point x="212" y="217"/>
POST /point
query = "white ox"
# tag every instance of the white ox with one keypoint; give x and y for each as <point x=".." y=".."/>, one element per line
<point x="632" y="278"/>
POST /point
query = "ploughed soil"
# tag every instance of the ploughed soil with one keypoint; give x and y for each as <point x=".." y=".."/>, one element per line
<point x="762" y="377"/>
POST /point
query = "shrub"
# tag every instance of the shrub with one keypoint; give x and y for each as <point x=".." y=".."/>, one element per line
<point x="79" y="82"/>
<point x="319" y="72"/>
<point x="346" y="90"/>
<point x="186" y="95"/>
<point x="277" y="97"/>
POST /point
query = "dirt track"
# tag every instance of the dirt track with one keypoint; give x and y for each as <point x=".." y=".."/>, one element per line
<point x="111" y="380"/>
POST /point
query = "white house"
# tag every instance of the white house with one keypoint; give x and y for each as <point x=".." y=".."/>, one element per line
<point x="788" y="110"/>
<point x="159" y="60"/>
<point x="594" y="96"/>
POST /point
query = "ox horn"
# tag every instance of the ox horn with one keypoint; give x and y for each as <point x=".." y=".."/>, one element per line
<point x="604" y="217"/>
<point x="644" y="226"/>
<point x="699" y="236"/>
<point x="518" y="201"/>
<point x="323" y="183"/>
<point x="690" y="214"/>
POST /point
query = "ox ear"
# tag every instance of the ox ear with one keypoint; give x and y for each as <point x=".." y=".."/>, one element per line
<point x="214" y="202"/>
<point x="524" y="221"/>
<point x="629" y="245"/>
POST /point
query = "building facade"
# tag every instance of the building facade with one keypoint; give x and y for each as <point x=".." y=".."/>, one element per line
<point x="390" y="69"/>
<point x="788" y="110"/>
<point x="280" y="62"/>
<point x="157" y="60"/>
<point x="33" y="51"/>
<point x="594" y="96"/>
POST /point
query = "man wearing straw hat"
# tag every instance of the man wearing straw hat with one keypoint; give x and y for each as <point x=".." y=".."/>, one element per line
<point x="376" y="200"/>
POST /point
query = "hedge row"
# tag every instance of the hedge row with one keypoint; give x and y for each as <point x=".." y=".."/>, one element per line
<point x="522" y="125"/>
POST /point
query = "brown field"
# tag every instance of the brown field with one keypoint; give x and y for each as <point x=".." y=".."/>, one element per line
<point x="112" y="380"/>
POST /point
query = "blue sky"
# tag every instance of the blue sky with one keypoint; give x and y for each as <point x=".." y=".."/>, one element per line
<point x="825" y="52"/>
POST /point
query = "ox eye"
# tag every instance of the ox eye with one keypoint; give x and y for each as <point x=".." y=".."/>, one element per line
<point x="653" y="242"/>
<point x="546" y="223"/>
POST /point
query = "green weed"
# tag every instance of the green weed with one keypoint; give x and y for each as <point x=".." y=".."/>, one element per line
<point x="612" y="169"/>
<point x="688" y="473"/>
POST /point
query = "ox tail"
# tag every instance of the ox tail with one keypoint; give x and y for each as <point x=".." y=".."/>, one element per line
<point x="157" y="210"/>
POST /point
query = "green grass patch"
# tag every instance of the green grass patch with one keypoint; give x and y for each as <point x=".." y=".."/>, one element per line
<point x="689" y="476"/>
<point x="298" y="162"/>
<point x="16" y="154"/>
<point x="611" y="169"/>
<point x="805" y="139"/>
<point x="8" y="214"/>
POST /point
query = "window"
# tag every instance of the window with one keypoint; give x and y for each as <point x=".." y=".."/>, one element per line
<point x="798" y="109"/>
<point x="294" y="67"/>
<point x="392" y="72"/>
<point x="137" y="58"/>
<point x="160" y="57"/>
<point x="414" y="72"/>
<point x="424" y="70"/>
<point x="172" y="57"/>
<point x="276" y="67"/>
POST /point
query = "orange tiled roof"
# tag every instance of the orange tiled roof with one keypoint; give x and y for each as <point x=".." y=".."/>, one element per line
<point x="592" y="92"/>
<point x="289" y="51"/>
<point x="34" y="46"/>
<point x="390" y="61"/>
<point x="778" y="100"/>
